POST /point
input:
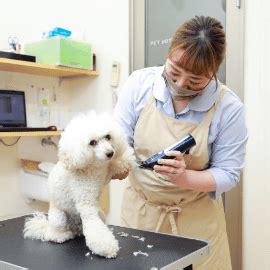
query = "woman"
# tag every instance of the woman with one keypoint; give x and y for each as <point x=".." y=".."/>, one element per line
<point x="157" y="107"/>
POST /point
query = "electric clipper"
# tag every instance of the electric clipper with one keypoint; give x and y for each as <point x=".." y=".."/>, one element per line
<point x="184" y="145"/>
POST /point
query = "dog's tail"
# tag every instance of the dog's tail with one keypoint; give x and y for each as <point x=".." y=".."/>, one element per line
<point x="35" y="227"/>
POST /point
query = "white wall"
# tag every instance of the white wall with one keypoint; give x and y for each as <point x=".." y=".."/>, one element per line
<point x="256" y="185"/>
<point x="11" y="202"/>
<point x="103" y="23"/>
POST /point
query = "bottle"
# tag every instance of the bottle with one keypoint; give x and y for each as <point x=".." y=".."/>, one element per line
<point x="45" y="113"/>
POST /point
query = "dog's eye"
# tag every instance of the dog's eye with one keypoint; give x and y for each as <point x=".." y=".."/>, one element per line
<point x="93" y="142"/>
<point x="108" y="137"/>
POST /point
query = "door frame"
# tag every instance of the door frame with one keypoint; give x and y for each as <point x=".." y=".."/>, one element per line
<point x="235" y="35"/>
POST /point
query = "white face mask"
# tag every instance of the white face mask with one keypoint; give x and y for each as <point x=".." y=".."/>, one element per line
<point x="179" y="93"/>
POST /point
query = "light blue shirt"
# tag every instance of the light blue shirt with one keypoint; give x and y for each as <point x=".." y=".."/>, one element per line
<point x="227" y="134"/>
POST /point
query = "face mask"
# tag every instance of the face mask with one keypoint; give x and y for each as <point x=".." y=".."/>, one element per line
<point x="179" y="93"/>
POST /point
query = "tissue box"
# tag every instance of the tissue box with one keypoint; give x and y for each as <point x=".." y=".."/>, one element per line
<point x="61" y="52"/>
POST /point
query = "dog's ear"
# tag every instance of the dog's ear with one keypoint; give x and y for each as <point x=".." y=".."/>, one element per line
<point x="121" y="142"/>
<point x="74" y="157"/>
<point x="74" y="151"/>
<point x="67" y="160"/>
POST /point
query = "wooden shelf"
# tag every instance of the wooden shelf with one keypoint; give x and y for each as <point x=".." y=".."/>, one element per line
<point x="30" y="134"/>
<point x="42" y="70"/>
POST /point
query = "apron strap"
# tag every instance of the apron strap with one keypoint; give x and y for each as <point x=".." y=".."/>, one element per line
<point x="222" y="91"/>
<point x="209" y="116"/>
<point x="165" y="210"/>
<point x="168" y="210"/>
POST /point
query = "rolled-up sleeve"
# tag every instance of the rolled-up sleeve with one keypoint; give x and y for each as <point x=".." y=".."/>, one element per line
<point x="124" y="111"/>
<point x="228" y="150"/>
<point x="132" y="99"/>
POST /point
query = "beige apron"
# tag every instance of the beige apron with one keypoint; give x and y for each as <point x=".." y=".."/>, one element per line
<point x="152" y="203"/>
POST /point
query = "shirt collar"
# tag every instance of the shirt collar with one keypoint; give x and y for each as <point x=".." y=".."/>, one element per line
<point x="205" y="101"/>
<point x="200" y="103"/>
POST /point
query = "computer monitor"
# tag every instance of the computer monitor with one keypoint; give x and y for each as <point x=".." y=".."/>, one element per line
<point x="12" y="108"/>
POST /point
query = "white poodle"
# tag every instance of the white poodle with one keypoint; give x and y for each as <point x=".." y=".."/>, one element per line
<point x="92" y="149"/>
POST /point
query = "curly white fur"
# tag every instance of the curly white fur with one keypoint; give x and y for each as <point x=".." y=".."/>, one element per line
<point x="91" y="150"/>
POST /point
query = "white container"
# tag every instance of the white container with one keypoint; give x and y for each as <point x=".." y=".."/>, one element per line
<point x="33" y="186"/>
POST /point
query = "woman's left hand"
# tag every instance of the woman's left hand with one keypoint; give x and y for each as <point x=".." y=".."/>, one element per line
<point x="175" y="169"/>
<point x="120" y="176"/>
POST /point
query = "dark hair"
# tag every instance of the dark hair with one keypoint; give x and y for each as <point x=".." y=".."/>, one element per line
<point x="203" y="41"/>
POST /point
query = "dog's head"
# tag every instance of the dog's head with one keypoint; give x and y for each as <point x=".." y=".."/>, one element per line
<point x="90" y="139"/>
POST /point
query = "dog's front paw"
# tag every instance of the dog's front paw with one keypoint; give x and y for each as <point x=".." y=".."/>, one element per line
<point x="124" y="163"/>
<point x="58" y="236"/>
<point x="108" y="249"/>
<point x="129" y="159"/>
<point x="103" y="245"/>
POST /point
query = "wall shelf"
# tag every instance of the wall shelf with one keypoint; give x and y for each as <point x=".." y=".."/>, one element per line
<point x="30" y="134"/>
<point x="42" y="69"/>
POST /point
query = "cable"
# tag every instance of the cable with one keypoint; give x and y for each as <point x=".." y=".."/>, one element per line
<point x="1" y="141"/>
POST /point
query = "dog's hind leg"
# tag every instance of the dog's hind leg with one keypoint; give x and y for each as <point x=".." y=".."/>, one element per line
<point x="58" y="230"/>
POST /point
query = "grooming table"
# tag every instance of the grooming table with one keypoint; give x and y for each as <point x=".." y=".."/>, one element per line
<point x="164" y="251"/>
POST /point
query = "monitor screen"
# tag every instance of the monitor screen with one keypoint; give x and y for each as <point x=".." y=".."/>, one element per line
<point x="12" y="108"/>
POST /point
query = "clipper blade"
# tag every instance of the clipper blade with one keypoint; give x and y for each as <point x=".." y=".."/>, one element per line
<point x="140" y="163"/>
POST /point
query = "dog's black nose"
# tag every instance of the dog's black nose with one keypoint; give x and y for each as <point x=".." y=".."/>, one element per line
<point x="109" y="154"/>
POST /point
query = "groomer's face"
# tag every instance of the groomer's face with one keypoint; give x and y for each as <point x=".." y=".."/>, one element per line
<point x="183" y="78"/>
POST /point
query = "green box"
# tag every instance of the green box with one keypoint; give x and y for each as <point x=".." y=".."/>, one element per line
<point x="61" y="52"/>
